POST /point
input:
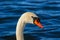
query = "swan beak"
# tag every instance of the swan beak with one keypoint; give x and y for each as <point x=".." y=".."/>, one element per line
<point x="38" y="23"/>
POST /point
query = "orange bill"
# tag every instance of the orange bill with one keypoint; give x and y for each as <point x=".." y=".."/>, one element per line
<point x="38" y="23"/>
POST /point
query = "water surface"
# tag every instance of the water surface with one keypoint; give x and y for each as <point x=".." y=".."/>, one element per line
<point x="47" y="10"/>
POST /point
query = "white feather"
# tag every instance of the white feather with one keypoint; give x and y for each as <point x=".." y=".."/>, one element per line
<point x="25" y="18"/>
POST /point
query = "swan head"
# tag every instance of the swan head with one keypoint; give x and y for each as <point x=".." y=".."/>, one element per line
<point x="32" y="18"/>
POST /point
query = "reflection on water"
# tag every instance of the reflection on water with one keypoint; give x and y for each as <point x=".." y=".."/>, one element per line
<point x="48" y="11"/>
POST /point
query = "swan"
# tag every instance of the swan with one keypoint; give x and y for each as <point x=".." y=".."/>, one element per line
<point x="27" y="17"/>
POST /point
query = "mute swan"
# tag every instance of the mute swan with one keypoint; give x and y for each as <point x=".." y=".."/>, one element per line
<point x="27" y="17"/>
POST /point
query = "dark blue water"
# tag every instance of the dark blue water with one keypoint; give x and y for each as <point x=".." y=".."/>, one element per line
<point x="47" y="10"/>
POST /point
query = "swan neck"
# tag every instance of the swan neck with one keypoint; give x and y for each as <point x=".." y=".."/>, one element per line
<point x="19" y="30"/>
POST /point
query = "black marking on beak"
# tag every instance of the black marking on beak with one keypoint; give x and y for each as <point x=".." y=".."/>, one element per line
<point x="35" y="18"/>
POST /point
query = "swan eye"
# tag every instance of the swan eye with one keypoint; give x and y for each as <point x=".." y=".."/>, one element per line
<point x="35" y="18"/>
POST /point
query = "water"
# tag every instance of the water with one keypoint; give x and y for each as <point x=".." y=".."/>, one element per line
<point x="47" y="10"/>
